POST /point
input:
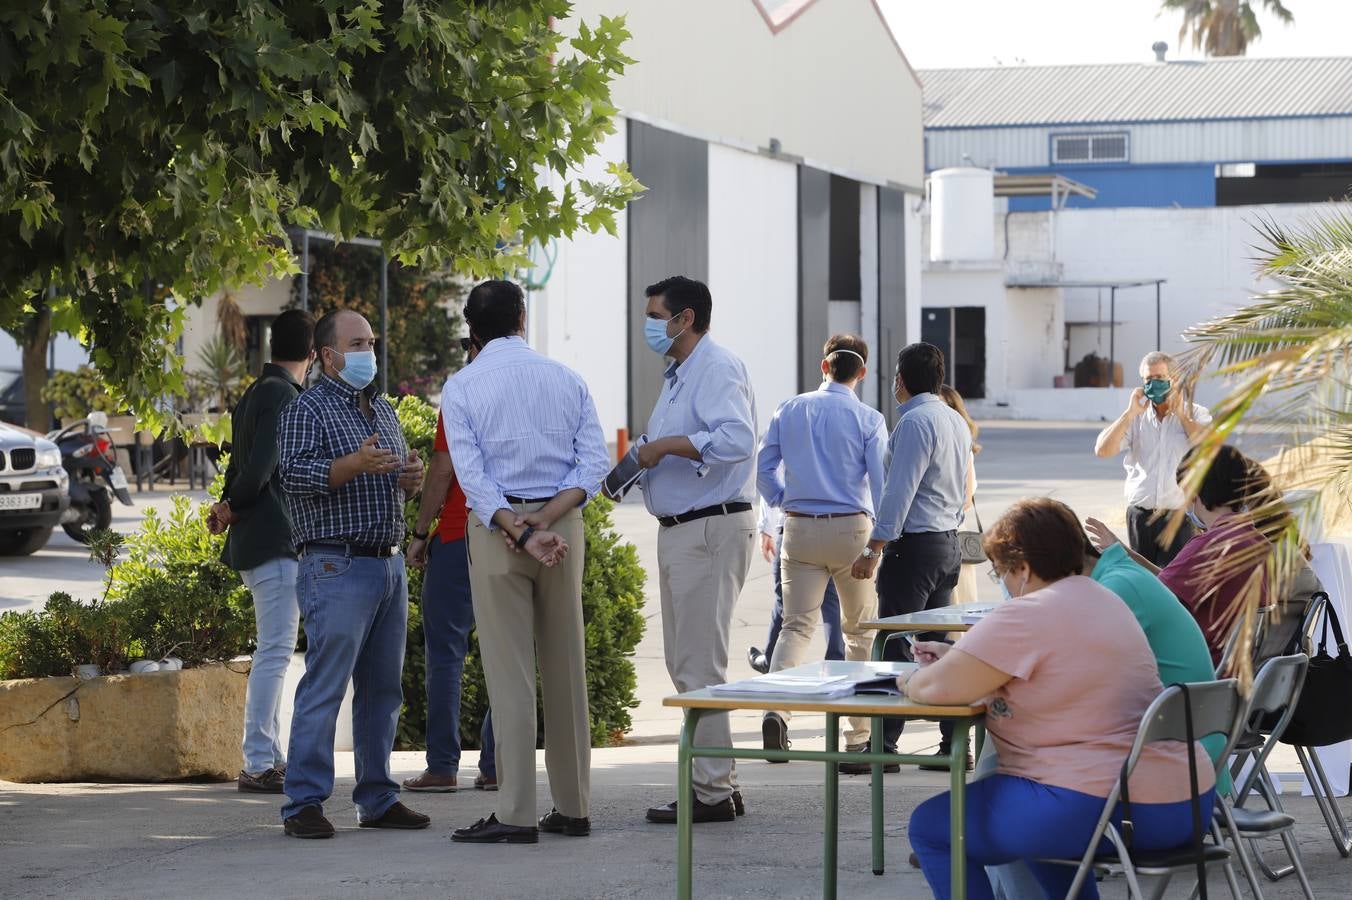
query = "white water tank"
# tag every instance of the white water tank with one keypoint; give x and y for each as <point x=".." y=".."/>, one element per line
<point x="962" y="215"/>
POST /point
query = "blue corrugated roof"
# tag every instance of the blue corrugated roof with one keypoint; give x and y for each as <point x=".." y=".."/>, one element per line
<point x="1232" y="88"/>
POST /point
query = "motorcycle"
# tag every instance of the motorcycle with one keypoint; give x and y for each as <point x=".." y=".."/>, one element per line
<point x="88" y="457"/>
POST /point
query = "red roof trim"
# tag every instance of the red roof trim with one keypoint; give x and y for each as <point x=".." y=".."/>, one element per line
<point x="795" y="8"/>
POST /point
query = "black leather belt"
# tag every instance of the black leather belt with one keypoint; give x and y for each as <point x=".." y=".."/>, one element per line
<point x="722" y="509"/>
<point x="347" y="549"/>
<point x="511" y="499"/>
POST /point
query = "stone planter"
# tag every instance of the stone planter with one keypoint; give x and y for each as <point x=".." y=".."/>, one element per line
<point x="157" y="726"/>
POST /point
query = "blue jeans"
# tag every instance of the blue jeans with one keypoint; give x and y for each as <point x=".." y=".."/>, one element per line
<point x="1011" y="818"/>
<point x="835" y="639"/>
<point x="356" y="619"/>
<point x="448" y="618"/>
<point x="277" y="616"/>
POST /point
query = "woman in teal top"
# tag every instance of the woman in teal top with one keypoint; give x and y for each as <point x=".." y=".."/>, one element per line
<point x="1180" y="648"/>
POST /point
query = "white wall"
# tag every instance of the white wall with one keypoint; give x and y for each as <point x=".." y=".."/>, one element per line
<point x="199" y="324"/>
<point x="914" y="268"/>
<point x="753" y="269"/>
<point x="1036" y="329"/>
<point x="69" y="353"/>
<point x="580" y="318"/>
<point x="975" y="284"/>
<point x="1264" y="140"/>
<point x="832" y="85"/>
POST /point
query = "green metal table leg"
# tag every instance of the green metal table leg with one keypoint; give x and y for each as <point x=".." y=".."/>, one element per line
<point x="829" y="852"/>
<point x="979" y="739"/>
<point x="684" y="810"/>
<point x="957" y="769"/>
<point x="875" y="736"/>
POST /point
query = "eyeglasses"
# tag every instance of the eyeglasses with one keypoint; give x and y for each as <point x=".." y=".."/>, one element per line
<point x="464" y="345"/>
<point x="993" y="575"/>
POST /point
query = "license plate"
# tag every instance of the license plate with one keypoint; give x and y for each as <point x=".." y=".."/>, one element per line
<point x="20" y="501"/>
<point x="119" y="479"/>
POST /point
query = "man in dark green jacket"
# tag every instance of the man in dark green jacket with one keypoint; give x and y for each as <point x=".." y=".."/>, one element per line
<point x="259" y="544"/>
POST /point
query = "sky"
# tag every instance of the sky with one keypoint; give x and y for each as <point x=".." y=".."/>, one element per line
<point x="966" y="33"/>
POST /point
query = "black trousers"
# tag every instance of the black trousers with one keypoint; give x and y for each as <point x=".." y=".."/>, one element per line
<point x="1144" y="532"/>
<point x="918" y="571"/>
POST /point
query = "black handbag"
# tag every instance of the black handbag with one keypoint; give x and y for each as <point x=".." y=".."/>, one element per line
<point x="969" y="542"/>
<point x="1323" y="714"/>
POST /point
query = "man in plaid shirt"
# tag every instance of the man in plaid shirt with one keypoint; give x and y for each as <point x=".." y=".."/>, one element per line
<point x="345" y="470"/>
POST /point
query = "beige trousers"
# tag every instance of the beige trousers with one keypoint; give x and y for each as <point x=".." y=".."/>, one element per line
<point x="523" y="610"/>
<point x="815" y="551"/>
<point x="702" y="566"/>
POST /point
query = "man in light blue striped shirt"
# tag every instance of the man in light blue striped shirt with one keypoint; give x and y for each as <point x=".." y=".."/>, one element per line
<point x="529" y="451"/>
<point x="829" y="447"/>
<point x="699" y="483"/>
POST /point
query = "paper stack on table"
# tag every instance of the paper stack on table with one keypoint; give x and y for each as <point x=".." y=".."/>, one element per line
<point x="828" y="687"/>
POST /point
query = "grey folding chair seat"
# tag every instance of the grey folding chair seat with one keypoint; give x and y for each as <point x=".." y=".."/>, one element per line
<point x="1216" y="708"/>
<point x="1276" y="689"/>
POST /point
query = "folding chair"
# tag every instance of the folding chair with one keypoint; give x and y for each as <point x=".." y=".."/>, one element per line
<point x="1276" y="688"/>
<point x="1216" y="706"/>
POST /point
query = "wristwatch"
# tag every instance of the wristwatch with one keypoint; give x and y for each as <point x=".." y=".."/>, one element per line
<point x="420" y="536"/>
<point x="870" y="553"/>
<point x="524" y="536"/>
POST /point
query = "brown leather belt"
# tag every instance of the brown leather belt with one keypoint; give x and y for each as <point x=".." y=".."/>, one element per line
<point x="800" y="515"/>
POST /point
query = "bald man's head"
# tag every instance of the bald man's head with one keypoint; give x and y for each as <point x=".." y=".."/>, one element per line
<point x="339" y="332"/>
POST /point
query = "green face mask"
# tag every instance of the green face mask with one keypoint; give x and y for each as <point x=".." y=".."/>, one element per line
<point x="1157" y="390"/>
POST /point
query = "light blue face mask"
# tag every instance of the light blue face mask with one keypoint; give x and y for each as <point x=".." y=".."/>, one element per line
<point x="359" y="368"/>
<point x="655" y="333"/>
<point x="1004" y="590"/>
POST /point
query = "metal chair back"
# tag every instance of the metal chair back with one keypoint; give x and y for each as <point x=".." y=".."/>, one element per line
<point x="1276" y="689"/>
<point x="1283" y="630"/>
<point x="1216" y="708"/>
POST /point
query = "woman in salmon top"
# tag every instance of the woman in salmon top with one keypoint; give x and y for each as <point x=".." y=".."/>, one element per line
<point x="1067" y="674"/>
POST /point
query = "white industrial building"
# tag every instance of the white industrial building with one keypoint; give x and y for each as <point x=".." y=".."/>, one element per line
<point x="1071" y="194"/>
<point x="790" y="184"/>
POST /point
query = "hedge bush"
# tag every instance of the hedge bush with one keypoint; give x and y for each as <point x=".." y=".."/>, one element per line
<point x="612" y="604"/>
<point x="173" y="596"/>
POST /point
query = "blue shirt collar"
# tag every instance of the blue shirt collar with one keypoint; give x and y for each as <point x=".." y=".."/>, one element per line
<point x="683" y="369"/>
<point x="503" y="343"/>
<point x="835" y="387"/>
<point x="917" y="401"/>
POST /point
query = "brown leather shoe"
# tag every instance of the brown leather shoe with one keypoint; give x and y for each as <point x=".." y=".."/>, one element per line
<point x="486" y="783"/>
<point x="431" y="783"/>
<point x="398" y="816"/>
<point x="308" y="823"/>
<point x="269" y="781"/>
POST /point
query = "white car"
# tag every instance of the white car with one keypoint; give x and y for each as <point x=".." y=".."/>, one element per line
<point x="34" y="490"/>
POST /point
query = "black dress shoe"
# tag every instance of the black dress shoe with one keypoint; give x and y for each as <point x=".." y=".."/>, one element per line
<point x="398" y="816"/>
<point x="700" y="812"/>
<point x="491" y="831"/>
<point x="775" y="734"/>
<point x="758" y="660"/>
<point x="308" y="823"/>
<point x="942" y="766"/>
<point x="738" y="804"/>
<point x="557" y="823"/>
<point x="863" y="768"/>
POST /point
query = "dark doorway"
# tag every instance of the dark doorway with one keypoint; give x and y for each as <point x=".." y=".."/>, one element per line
<point x="961" y="333"/>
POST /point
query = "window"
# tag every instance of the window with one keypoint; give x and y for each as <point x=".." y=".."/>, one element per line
<point x="1089" y="148"/>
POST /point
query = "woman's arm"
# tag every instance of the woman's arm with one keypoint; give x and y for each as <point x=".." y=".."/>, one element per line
<point x="955" y="679"/>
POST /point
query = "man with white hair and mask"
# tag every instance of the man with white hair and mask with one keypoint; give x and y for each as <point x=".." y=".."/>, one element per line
<point x="1156" y="430"/>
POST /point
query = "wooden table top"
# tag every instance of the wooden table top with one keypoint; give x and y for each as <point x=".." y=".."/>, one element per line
<point x="949" y="618"/>
<point x="857" y="705"/>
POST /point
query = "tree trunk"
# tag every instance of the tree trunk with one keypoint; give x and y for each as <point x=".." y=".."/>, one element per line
<point x="37" y="333"/>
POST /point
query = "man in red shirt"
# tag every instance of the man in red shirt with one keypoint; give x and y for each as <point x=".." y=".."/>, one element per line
<point x="448" y="619"/>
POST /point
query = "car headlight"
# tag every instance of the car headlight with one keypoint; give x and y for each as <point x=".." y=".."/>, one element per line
<point x="49" y="459"/>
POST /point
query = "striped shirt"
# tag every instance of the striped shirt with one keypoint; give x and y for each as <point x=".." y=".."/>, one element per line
<point x="322" y="424"/>
<point x="521" y="425"/>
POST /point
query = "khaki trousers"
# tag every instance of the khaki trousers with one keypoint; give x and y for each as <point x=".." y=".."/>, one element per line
<point x="523" y="609"/>
<point x="702" y="566"/>
<point x="815" y="551"/>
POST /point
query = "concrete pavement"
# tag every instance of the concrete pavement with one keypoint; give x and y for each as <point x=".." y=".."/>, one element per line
<point x="209" y="841"/>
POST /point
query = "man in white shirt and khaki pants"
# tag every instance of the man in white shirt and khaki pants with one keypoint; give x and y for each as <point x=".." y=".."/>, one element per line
<point x="1156" y="430"/>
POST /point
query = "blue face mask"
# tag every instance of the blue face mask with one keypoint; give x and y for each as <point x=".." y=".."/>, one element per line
<point x="359" y="368"/>
<point x="1157" y="390"/>
<point x="655" y="333"/>
<point x="1005" y="591"/>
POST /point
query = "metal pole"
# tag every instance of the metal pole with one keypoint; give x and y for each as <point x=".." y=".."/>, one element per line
<point x="1158" y="340"/>
<point x="1112" y="333"/>
<point x="305" y="269"/>
<point x="384" y="324"/>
